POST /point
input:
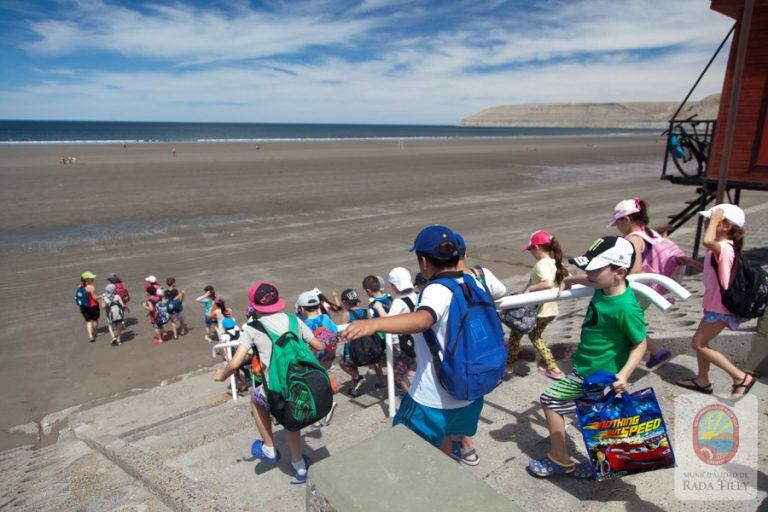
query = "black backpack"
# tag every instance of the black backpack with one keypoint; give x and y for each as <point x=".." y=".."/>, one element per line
<point x="407" y="345"/>
<point x="367" y="350"/>
<point x="747" y="292"/>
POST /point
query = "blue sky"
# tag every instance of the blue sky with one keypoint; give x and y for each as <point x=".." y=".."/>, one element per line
<point x="359" y="61"/>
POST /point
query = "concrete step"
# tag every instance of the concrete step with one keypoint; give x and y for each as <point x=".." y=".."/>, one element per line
<point x="69" y="476"/>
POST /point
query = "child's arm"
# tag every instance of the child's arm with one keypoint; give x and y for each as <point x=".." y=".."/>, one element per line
<point x="690" y="262"/>
<point x="236" y="362"/>
<point x="202" y="297"/>
<point x="316" y="344"/>
<point x="635" y="356"/>
<point x="639" y="245"/>
<point x="569" y="281"/>
<point x="710" y="234"/>
<point x="406" y="323"/>
<point x="181" y="295"/>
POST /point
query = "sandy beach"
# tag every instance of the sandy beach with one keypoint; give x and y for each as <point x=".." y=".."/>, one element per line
<point x="300" y="214"/>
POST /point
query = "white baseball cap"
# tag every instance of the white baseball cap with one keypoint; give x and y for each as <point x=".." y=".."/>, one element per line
<point x="609" y="250"/>
<point x="623" y="209"/>
<point x="308" y="299"/>
<point x="730" y="211"/>
<point x="400" y="278"/>
<point x="151" y="279"/>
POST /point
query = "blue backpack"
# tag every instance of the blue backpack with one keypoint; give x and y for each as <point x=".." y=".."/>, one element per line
<point x="472" y="364"/>
<point x="81" y="297"/>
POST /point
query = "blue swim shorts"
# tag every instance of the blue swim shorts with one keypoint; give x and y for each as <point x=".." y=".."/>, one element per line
<point x="435" y="424"/>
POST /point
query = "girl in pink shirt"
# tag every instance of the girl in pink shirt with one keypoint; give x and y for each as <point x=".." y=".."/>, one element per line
<point x="723" y="237"/>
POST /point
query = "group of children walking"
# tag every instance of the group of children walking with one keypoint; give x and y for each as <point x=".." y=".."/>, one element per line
<point x="428" y="315"/>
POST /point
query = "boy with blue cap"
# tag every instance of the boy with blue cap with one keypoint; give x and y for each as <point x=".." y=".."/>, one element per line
<point x="428" y="409"/>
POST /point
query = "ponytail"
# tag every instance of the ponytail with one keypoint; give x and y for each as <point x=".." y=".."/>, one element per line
<point x="641" y="217"/>
<point x="737" y="236"/>
<point x="556" y="253"/>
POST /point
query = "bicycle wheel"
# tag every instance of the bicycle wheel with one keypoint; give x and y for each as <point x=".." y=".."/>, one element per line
<point x="687" y="158"/>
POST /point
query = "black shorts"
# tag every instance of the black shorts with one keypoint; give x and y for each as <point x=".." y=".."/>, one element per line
<point x="91" y="313"/>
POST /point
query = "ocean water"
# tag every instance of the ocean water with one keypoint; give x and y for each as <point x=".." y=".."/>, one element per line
<point x="108" y="132"/>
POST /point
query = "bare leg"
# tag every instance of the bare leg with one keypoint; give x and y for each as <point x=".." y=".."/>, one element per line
<point x="90" y="328"/>
<point x="263" y="424"/>
<point x="379" y="374"/>
<point x="558" y="449"/>
<point x="175" y="330"/>
<point x="350" y="369"/>
<point x="704" y="334"/>
<point x="446" y="446"/>
<point x="653" y="346"/>
<point x="294" y="443"/>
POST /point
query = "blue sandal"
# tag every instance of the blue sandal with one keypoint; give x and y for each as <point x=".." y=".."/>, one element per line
<point x="258" y="452"/>
<point x="546" y="467"/>
<point x="302" y="479"/>
<point x="464" y="457"/>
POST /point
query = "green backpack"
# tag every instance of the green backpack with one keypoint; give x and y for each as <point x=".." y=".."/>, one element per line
<point x="299" y="390"/>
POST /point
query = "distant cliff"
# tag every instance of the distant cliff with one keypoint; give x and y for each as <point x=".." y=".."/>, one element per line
<point x="637" y="114"/>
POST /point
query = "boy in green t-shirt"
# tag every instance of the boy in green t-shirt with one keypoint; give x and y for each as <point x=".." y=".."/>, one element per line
<point x="612" y="339"/>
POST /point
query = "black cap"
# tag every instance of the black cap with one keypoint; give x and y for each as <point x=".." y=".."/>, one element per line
<point x="349" y="296"/>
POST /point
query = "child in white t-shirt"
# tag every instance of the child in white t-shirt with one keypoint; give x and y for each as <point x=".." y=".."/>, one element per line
<point x="405" y="302"/>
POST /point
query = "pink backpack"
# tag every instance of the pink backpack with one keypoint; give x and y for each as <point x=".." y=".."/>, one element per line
<point x="661" y="257"/>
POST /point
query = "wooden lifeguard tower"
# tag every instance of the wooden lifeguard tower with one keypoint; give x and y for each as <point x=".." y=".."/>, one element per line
<point x="723" y="156"/>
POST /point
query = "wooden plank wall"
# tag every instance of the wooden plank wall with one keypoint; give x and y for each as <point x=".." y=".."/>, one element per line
<point x="753" y="103"/>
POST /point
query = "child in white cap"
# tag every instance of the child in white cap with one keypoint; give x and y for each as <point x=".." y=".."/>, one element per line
<point x="723" y="238"/>
<point x="404" y="302"/>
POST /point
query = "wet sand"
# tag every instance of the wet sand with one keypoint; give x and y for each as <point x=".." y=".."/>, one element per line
<point x="300" y="214"/>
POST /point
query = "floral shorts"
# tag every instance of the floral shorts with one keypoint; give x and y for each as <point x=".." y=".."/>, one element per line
<point x="733" y="321"/>
<point x="259" y="398"/>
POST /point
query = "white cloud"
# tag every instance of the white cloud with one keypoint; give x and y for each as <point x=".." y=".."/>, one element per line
<point x="586" y="51"/>
<point x="183" y="34"/>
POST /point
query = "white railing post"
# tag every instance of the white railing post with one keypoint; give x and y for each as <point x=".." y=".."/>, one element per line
<point x="232" y="380"/>
<point x="390" y="375"/>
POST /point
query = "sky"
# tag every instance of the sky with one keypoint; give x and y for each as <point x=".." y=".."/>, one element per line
<point x="346" y="61"/>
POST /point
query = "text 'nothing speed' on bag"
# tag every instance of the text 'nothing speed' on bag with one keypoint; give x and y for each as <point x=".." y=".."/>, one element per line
<point x="623" y="434"/>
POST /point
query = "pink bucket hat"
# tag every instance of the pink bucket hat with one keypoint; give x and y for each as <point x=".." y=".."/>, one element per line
<point x="264" y="298"/>
<point x="623" y="209"/>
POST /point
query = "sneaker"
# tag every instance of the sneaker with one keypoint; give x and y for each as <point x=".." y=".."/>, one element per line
<point x="258" y="452"/>
<point x="208" y="338"/>
<point x="329" y="416"/>
<point x="659" y="357"/>
<point x="301" y="477"/>
<point x="92" y="339"/>
<point x="354" y="391"/>
<point x="114" y="342"/>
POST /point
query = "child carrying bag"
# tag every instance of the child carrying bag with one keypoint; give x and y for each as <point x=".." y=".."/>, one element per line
<point x="367" y="350"/>
<point x="624" y="434"/>
<point x="299" y="389"/>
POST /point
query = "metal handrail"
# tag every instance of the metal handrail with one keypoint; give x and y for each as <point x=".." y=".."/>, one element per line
<point x="636" y="281"/>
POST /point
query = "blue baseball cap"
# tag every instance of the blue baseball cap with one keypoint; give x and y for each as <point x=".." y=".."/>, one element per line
<point x="461" y="245"/>
<point x="429" y="239"/>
